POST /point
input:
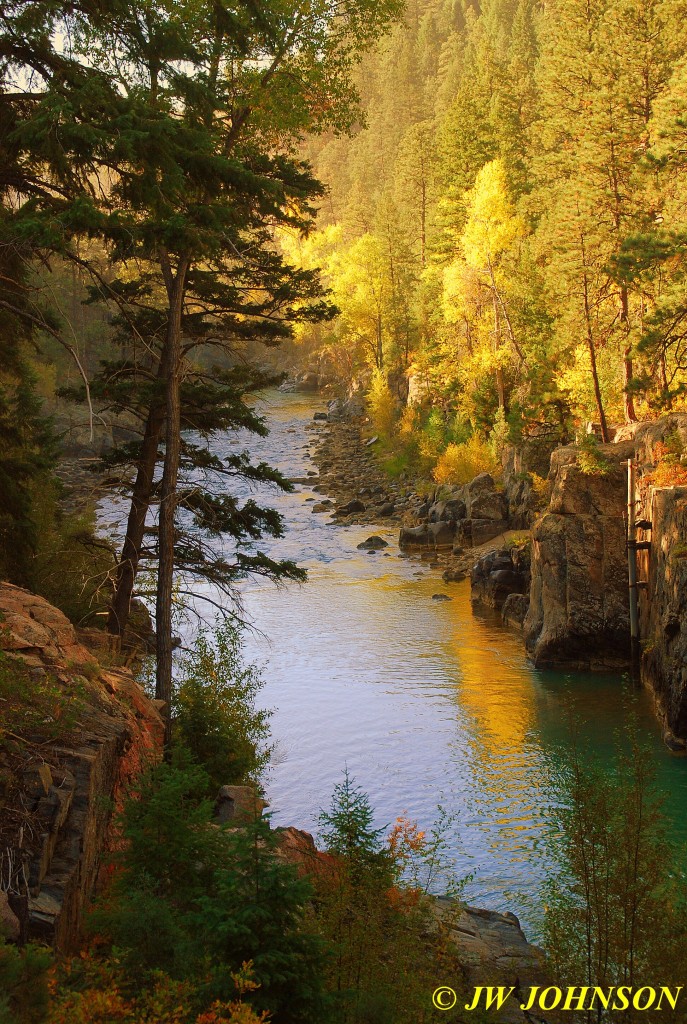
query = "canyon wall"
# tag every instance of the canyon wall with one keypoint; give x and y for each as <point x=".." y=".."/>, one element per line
<point x="60" y="785"/>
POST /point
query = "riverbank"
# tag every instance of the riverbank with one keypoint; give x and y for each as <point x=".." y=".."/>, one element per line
<point x="359" y="492"/>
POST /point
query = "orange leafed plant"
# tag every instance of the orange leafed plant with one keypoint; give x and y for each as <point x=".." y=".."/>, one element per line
<point x="669" y="471"/>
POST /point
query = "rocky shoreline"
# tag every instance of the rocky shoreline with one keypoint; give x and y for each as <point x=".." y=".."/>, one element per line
<point x="357" y="491"/>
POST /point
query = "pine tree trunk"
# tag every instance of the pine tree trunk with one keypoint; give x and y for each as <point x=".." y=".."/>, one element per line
<point x="630" y="414"/>
<point x="141" y="497"/>
<point x="592" y="360"/>
<point x="168" y="499"/>
<point x="628" y="400"/>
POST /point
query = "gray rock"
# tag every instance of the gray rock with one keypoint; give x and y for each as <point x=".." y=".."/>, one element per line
<point x="351" y="507"/>
<point x="237" y="803"/>
<point x="578" y="615"/>
<point x="515" y="609"/>
<point x="663" y="609"/>
<point x="496" y="576"/>
<point x="373" y="543"/>
<point x="473" y="532"/>
<point x="414" y="537"/>
<point x="453" y="575"/>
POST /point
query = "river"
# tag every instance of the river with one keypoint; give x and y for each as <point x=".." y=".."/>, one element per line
<point x="423" y="701"/>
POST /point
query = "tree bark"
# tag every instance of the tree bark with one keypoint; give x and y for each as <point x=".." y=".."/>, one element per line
<point x="628" y="399"/>
<point x="589" y="337"/>
<point x="141" y="498"/>
<point x="168" y="496"/>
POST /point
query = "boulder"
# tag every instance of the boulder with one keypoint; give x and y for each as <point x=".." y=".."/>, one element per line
<point x="499" y="574"/>
<point x="414" y="537"/>
<point x="237" y="804"/>
<point x="493" y="951"/>
<point x="386" y="509"/>
<point x="321" y="416"/>
<point x="346" y="408"/>
<point x="473" y="532"/>
<point x="489" y="505"/>
<point x="373" y="543"/>
<point x="453" y="575"/>
<point x="515" y="609"/>
<point x="447" y="511"/>
<point x="322" y="506"/>
<point x="441" y="534"/>
<point x="351" y="507"/>
<point x="429" y="535"/>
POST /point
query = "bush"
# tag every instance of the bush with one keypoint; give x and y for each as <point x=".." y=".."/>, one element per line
<point x="23" y="984"/>
<point x="36" y="705"/>
<point x="667" y="456"/>
<point x="214" y="712"/>
<point x="387" y="950"/>
<point x="615" y="913"/>
<point x="590" y="459"/>
<point x="71" y="566"/>
<point x="381" y="404"/>
<point x="197" y="901"/>
<point x="460" y="463"/>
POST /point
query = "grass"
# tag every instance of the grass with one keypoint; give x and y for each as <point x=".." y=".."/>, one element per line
<point x="36" y="706"/>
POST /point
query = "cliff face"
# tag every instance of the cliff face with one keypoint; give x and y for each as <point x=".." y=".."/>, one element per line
<point x="579" y="608"/>
<point x="59" y="786"/>
<point x="663" y="608"/>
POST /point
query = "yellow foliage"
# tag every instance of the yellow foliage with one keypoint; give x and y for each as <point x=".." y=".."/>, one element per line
<point x="381" y="404"/>
<point x="409" y="422"/>
<point x="540" y="487"/>
<point x="492" y="226"/>
<point x="460" y="463"/>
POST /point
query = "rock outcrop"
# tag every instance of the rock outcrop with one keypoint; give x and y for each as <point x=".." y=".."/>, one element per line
<point x="579" y="608"/>
<point x="500" y="574"/>
<point x="663" y="609"/>
<point x="58" y="793"/>
<point x="468" y="515"/>
<point x="494" y="951"/>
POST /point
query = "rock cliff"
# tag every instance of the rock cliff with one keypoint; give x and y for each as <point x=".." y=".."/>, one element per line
<point x="61" y="779"/>
<point x="579" y="608"/>
<point x="663" y="609"/>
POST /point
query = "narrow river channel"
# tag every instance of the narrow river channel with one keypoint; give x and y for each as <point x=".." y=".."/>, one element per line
<point x="425" y="702"/>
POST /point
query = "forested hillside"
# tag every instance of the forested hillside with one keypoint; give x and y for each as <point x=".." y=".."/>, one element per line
<point x="505" y="233"/>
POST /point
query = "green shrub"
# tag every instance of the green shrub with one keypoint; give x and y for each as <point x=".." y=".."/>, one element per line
<point x="71" y="565"/>
<point x="197" y="900"/>
<point x="23" y="983"/>
<point x="215" y="715"/>
<point x="590" y="459"/>
<point x="387" y="951"/>
<point x="36" y="704"/>
<point x="616" y="908"/>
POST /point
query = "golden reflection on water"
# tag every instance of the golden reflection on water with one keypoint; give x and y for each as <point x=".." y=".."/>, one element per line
<point x="496" y="687"/>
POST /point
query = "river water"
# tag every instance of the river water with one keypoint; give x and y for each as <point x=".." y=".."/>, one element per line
<point x="423" y="701"/>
